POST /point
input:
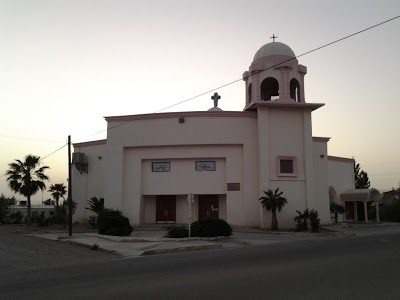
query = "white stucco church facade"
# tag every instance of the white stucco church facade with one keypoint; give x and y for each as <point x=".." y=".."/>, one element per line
<point x="149" y="163"/>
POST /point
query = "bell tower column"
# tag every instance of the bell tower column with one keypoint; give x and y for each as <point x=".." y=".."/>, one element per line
<point x="256" y="87"/>
<point x="284" y="83"/>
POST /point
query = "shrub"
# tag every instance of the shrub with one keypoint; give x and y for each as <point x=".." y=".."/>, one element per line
<point x="177" y="232"/>
<point x="93" y="221"/>
<point x="308" y="216"/>
<point x="210" y="228"/>
<point x="302" y="220"/>
<point x="96" y="205"/>
<point x="391" y="211"/>
<point x="314" y="220"/>
<point x="15" y="218"/>
<point x="112" y="222"/>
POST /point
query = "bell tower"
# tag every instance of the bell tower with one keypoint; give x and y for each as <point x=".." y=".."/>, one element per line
<point x="274" y="74"/>
<point x="286" y="154"/>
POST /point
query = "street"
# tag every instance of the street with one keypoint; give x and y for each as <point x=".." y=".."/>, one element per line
<point x="365" y="267"/>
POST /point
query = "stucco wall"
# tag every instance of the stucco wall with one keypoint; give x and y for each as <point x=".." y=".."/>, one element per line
<point x="284" y="132"/>
<point x="219" y="137"/>
<point x="340" y="174"/>
<point x="91" y="184"/>
<point x="320" y="160"/>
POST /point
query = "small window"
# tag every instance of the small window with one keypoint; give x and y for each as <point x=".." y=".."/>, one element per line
<point x="161" y="167"/>
<point x="286" y="166"/>
<point x="205" y="165"/>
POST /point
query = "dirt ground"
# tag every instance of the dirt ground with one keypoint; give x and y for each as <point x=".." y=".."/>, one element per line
<point x="20" y="252"/>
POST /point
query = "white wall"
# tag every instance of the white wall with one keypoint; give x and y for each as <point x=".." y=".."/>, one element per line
<point x="340" y="174"/>
<point x="225" y="137"/>
<point x="91" y="184"/>
<point x="320" y="159"/>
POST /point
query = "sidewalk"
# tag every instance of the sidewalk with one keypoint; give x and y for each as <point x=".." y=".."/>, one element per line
<point x="151" y="241"/>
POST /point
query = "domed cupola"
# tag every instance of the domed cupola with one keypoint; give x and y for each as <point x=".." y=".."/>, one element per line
<point x="274" y="48"/>
<point x="274" y="74"/>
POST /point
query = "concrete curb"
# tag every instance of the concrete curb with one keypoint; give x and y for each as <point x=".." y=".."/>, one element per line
<point x="181" y="250"/>
<point x="129" y="239"/>
<point x="89" y="246"/>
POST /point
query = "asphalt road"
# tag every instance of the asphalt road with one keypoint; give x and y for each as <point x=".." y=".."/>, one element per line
<point x="365" y="267"/>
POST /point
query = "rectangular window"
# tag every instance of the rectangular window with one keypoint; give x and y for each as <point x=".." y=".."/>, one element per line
<point x="161" y="167"/>
<point x="286" y="166"/>
<point x="205" y="165"/>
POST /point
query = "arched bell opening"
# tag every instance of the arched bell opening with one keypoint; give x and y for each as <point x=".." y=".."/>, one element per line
<point x="295" y="90"/>
<point x="269" y="89"/>
<point x="249" y="92"/>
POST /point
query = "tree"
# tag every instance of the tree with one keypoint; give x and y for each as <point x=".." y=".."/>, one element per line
<point x="27" y="178"/>
<point x="96" y="205"/>
<point x="336" y="209"/>
<point x="58" y="191"/>
<point x="360" y="178"/>
<point x="5" y="204"/>
<point x="49" y="202"/>
<point x="273" y="201"/>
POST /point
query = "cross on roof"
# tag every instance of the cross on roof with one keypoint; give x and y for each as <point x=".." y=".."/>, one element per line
<point x="273" y="37"/>
<point x="215" y="97"/>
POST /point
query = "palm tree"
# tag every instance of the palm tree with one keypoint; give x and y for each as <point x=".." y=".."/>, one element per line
<point x="336" y="209"/>
<point x="273" y="201"/>
<point x="58" y="191"/>
<point x="27" y="178"/>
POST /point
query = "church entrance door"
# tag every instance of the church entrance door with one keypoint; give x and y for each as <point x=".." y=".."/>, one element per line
<point x="166" y="209"/>
<point x="208" y="206"/>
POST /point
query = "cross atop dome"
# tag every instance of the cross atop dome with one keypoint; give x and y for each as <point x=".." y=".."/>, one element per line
<point x="273" y="37"/>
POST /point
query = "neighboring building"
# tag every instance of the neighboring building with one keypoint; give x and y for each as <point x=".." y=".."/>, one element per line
<point x="149" y="163"/>
<point x="390" y="196"/>
<point x="37" y="210"/>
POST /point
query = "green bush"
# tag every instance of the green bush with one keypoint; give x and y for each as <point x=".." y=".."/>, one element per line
<point x="302" y="220"/>
<point x="15" y="218"/>
<point x="93" y="221"/>
<point x="112" y="222"/>
<point x="177" y="232"/>
<point x="307" y="217"/>
<point x="41" y="221"/>
<point x="314" y="220"/>
<point x="210" y="228"/>
<point x="391" y="211"/>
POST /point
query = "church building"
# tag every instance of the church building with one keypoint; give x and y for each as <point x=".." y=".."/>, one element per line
<point x="150" y="163"/>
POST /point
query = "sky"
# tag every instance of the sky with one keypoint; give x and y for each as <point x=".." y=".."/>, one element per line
<point x="64" y="65"/>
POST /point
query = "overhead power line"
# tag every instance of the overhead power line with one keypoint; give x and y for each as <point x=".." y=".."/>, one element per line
<point x="254" y="73"/>
<point x="53" y="152"/>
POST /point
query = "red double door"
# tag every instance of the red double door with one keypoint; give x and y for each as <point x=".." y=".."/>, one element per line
<point x="208" y="206"/>
<point x="166" y="209"/>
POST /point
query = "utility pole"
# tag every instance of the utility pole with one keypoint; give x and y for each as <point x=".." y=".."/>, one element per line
<point x="69" y="188"/>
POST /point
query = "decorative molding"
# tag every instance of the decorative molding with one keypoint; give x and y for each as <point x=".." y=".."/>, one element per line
<point x="193" y="114"/>
<point x="342" y="159"/>
<point x="278" y="166"/>
<point x="91" y="143"/>
<point x="320" y="139"/>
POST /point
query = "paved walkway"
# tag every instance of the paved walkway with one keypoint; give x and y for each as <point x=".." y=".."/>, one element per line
<point x="151" y="240"/>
